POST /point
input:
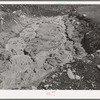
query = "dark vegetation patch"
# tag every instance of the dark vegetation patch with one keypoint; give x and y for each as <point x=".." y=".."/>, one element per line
<point x="91" y="40"/>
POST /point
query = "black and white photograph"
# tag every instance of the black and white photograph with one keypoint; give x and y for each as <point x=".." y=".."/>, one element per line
<point x="49" y="47"/>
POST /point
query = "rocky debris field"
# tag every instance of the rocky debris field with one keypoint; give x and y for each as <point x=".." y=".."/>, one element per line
<point x="49" y="52"/>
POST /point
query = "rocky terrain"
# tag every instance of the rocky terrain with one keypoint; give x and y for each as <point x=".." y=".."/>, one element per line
<point x="49" y="47"/>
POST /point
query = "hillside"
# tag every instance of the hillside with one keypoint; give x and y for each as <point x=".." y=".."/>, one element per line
<point x="49" y="47"/>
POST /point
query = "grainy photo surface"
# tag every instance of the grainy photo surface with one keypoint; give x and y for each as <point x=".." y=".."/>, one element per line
<point x="49" y="47"/>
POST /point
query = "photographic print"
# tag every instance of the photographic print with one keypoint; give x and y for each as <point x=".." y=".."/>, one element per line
<point x="49" y="47"/>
